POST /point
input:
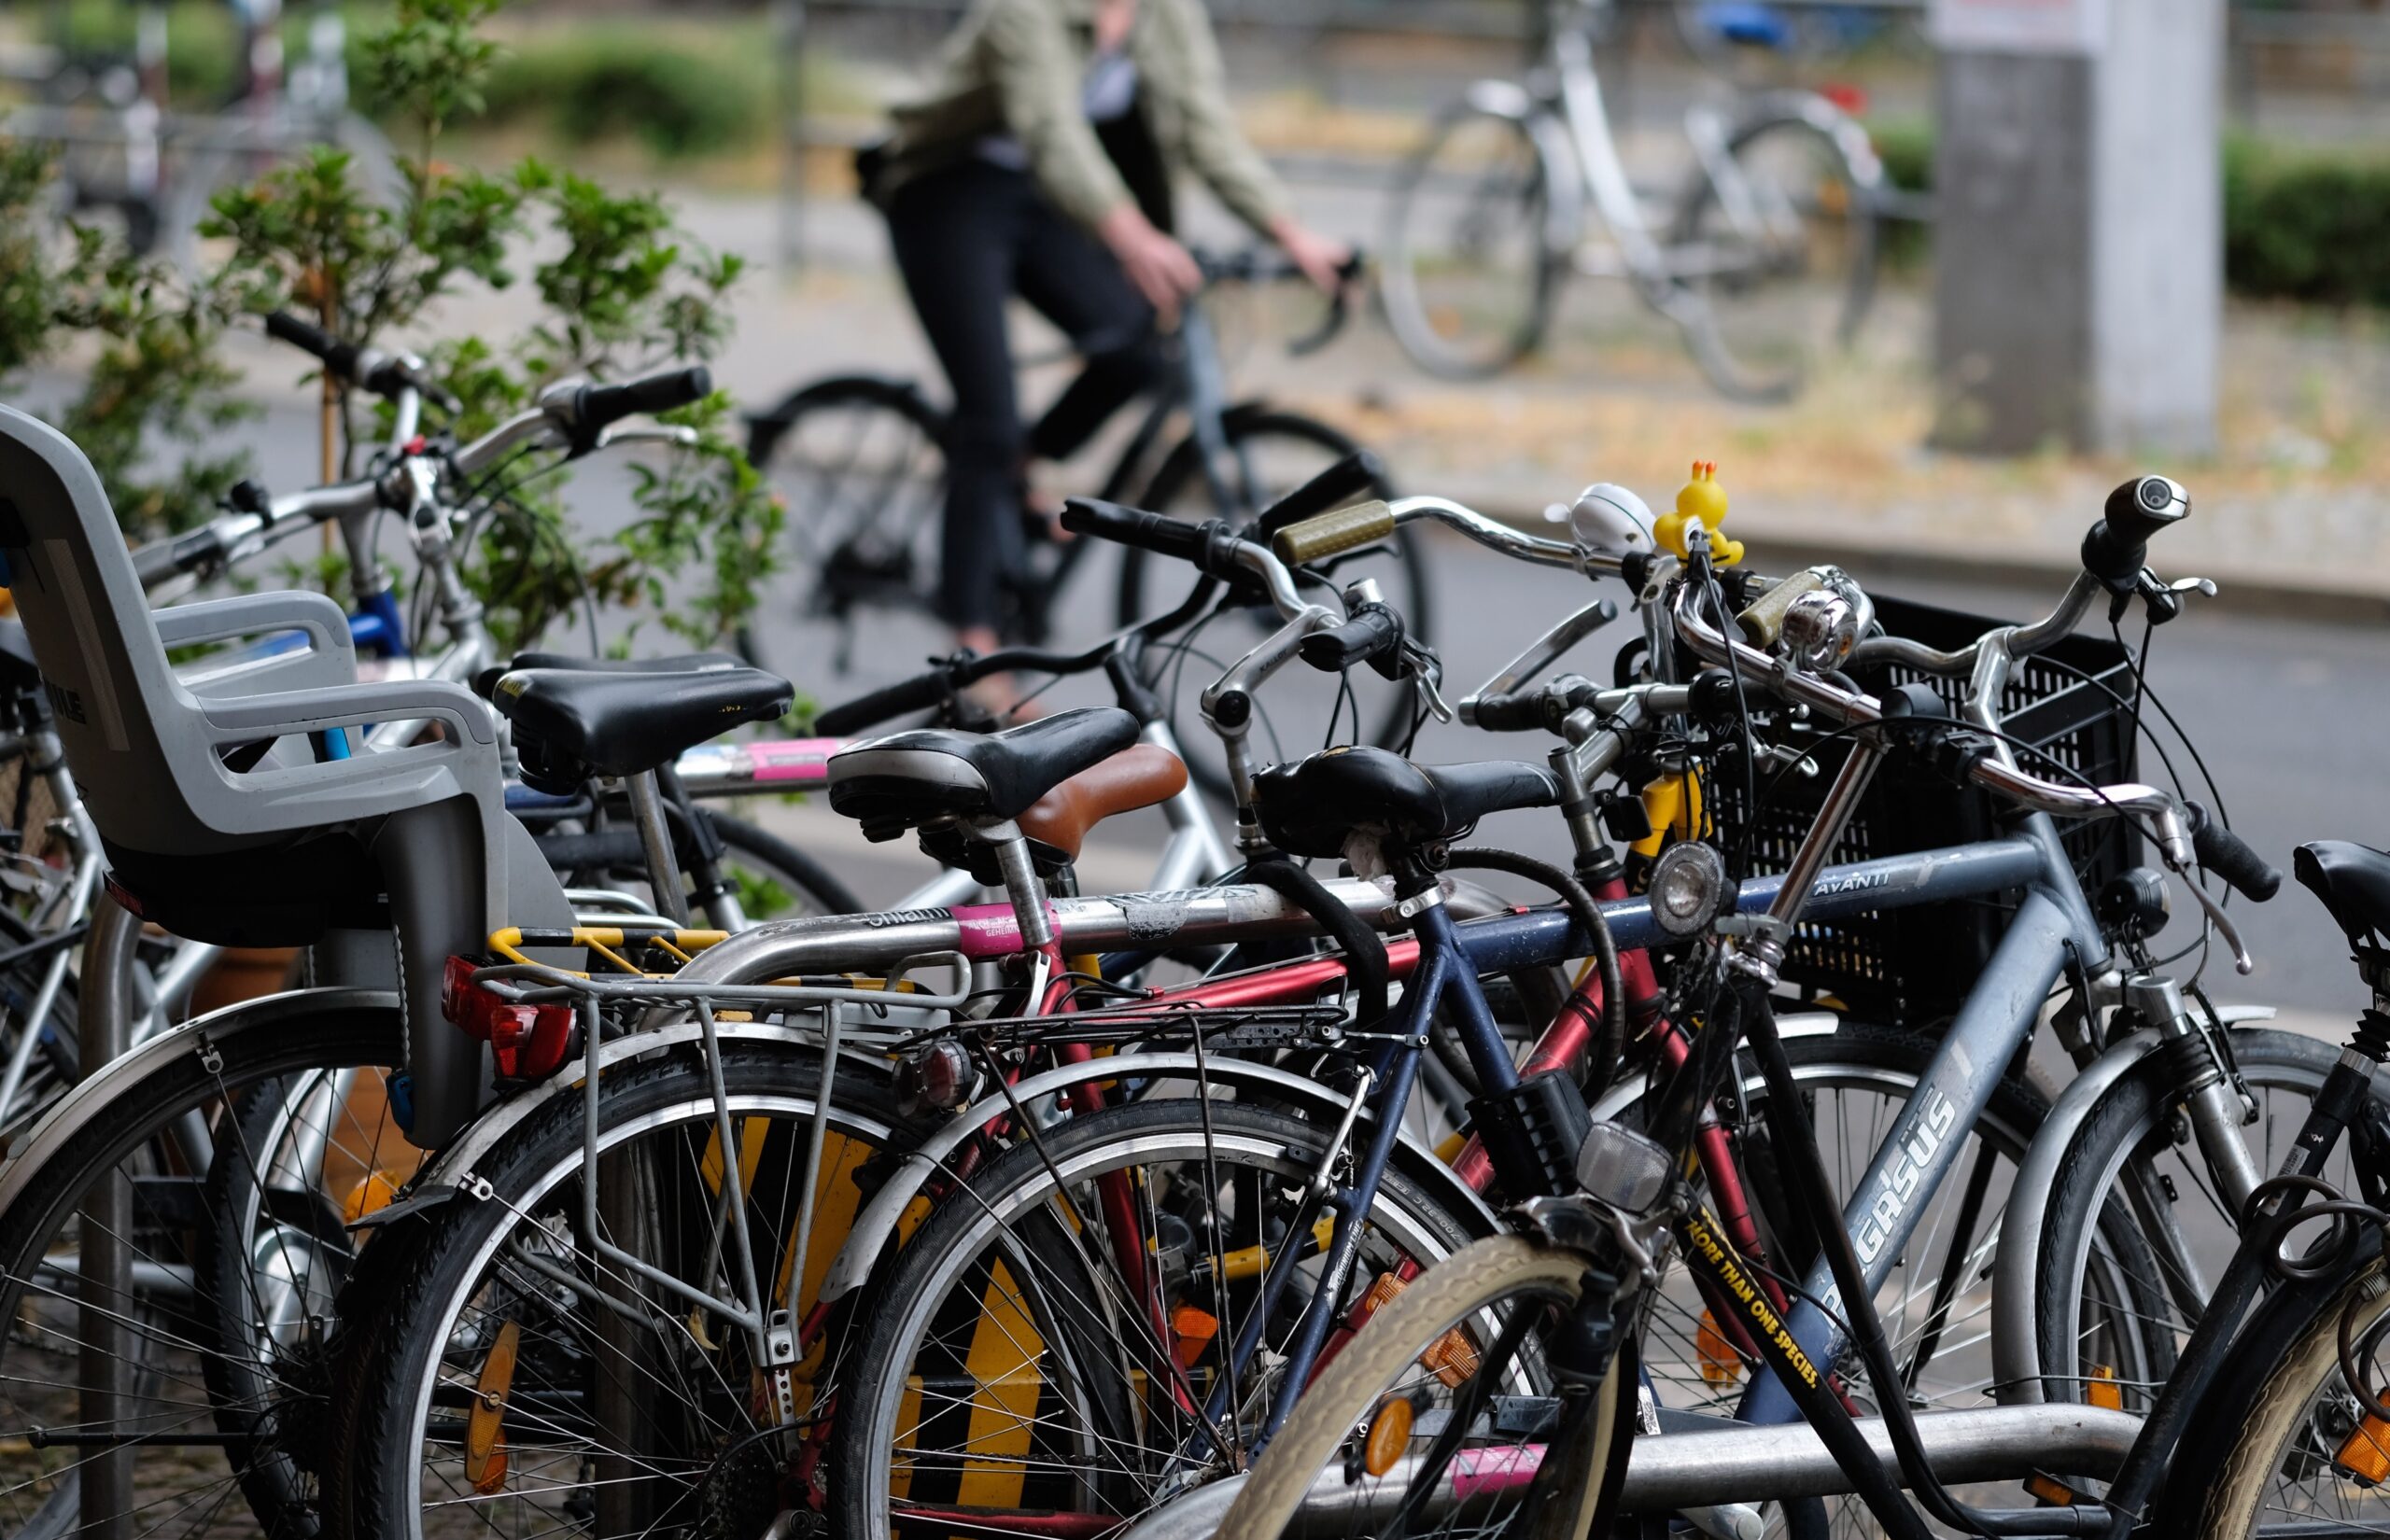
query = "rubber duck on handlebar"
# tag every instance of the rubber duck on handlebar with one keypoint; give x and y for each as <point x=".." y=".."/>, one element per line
<point x="1701" y="498"/>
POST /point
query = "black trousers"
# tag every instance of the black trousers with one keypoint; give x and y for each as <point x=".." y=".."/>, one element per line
<point x="968" y="238"/>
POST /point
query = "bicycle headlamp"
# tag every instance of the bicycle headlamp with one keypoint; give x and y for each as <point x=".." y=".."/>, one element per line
<point x="1688" y="883"/>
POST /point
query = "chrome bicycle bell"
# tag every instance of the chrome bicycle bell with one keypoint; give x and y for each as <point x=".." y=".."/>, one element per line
<point x="1610" y="520"/>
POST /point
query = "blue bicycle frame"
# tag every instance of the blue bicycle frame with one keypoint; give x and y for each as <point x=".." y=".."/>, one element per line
<point x="2053" y="921"/>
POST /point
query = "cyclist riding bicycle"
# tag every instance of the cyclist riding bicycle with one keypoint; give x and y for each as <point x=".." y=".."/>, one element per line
<point x="1040" y="161"/>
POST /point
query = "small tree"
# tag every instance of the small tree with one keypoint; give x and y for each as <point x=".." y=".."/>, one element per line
<point x="619" y="290"/>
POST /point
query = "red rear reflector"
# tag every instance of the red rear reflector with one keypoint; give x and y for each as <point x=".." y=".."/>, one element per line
<point x="527" y="1042"/>
<point x="1850" y="99"/>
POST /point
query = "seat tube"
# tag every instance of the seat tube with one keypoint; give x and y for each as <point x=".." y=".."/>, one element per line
<point x="1882" y="1213"/>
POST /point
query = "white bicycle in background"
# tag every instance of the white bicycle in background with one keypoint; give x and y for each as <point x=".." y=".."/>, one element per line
<point x="1764" y="257"/>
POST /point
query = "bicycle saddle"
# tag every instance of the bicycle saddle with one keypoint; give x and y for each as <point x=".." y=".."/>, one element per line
<point x="905" y="780"/>
<point x="572" y="723"/>
<point x="1057" y="824"/>
<point x="685" y="662"/>
<point x="2354" y="882"/>
<point x="1313" y="807"/>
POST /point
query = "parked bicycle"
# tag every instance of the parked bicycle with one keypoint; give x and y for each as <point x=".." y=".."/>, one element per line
<point x="1764" y="258"/>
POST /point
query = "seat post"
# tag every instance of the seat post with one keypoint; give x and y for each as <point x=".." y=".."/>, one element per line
<point x="663" y="867"/>
<point x="1021" y="884"/>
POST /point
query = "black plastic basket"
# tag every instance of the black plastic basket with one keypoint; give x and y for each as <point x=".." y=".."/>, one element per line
<point x="2072" y="702"/>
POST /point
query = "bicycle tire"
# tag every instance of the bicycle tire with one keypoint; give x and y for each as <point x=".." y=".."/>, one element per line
<point x="2133" y="1113"/>
<point x="1399" y="292"/>
<point x="1855" y="225"/>
<point x="2243" y="1438"/>
<point x="381" y="1486"/>
<point x="1472" y="1283"/>
<point x="35" y="1227"/>
<point x="829" y="520"/>
<point x="902" y="1306"/>
<point x="1146" y="581"/>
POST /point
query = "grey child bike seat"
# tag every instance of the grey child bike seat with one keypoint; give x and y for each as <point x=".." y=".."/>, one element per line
<point x="212" y="838"/>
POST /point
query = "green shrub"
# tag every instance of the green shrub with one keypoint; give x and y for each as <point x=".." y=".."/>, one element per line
<point x="2300" y="222"/>
<point x="677" y="99"/>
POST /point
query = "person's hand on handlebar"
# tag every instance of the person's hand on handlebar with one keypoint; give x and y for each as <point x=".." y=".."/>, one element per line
<point x="1164" y="271"/>
<point x="1327" y="263"/>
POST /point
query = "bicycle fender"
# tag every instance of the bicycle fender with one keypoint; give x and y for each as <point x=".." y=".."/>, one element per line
<point x="1564" y="180"/>
<point x="877" y="1223"/>
<point x="1850" y="139"/>
<point x="93" y="1097"/>
<point x="450" y="1170"/>
<point x="2015" y="1325"/>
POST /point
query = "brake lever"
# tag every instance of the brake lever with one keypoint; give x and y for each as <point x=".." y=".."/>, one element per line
<point x="680" y="437"/>
<point x="1428" y="678"/>
<point x="2162" y="600"/>
<point x="2241" y="961"/>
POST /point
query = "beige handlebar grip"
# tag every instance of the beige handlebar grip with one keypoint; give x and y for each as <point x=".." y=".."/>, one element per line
<point x="1333" y="533"/>
<point x="1762" y="621"/>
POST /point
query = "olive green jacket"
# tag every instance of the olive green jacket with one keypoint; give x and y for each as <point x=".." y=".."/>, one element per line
<point x="1016" y="67"/>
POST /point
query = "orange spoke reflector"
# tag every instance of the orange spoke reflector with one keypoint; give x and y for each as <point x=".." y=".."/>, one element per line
<point x="2049" y="1491"/>
<point x="1453" y="1359"/>
<point x="2365" y="1453"/>
<point x="2102" y="1388"/>
<point x="485" y="1447"/>
<point x="1193" y="1330"/>
<point x="1719" y="1364"/>
<point x="1389" y="1435"/>
<point x="371" y="1195"/>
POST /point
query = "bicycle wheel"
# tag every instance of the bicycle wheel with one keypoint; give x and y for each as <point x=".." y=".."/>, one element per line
<point x="861" y="462"/>
<point x="2295" y="1453"/>
<point x="1936" y="1302"/>
<point x="1273" y="452"/>
<point x="1443" y="1394"/>
<point x="1469" y="259"/>
<point x="1044" y="1340"/>
<point x="1774" y="254"/>
<point x="515" y="1378"/>
<point x="193" y="1426"/>
<point x="2131" y="1139"/>
<point x="297" y="1160"/>
<point x="773" y="879"/>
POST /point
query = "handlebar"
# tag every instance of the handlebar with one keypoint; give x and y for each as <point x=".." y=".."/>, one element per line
<point x="1373" y="634"/>
<point x="595" y="408"/>
<point x="2231" y="858"/>
<point x="1348" y="478"/>
<point x="388" y="375"/>
<point x="1261" y="265"/>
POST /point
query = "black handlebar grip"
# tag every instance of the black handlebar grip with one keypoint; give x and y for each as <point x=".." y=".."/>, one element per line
<point x="1374" y="631"/>
<point x="598" y="407"/>
<point x="918" y="694"/>
<point x="2231" y="858"/>
<point x="1356" y="475"/>
<point x="1156" y="532"/>
<point x="2136" y="511"/>
<point x="338" y="357"/>
<point x="1515" y="713"/>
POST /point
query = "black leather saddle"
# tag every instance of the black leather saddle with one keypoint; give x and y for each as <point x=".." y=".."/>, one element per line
<point x="2354" y="882"/>
<point x="683" y="663"/>
<point x="1312" y="807"/>
<point x="576" y="723"/>
<point x="907" y="780"/>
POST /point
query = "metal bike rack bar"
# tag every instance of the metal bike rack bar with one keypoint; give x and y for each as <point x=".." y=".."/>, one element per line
<point x="1736" y="1463"/>
<point x="106" y="1477"/>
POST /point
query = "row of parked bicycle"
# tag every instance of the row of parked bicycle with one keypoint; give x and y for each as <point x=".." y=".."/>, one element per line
<point x="1315" y="1188"/>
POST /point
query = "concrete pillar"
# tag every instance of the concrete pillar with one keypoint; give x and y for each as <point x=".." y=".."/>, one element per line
<point x="2078" y="237"/>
